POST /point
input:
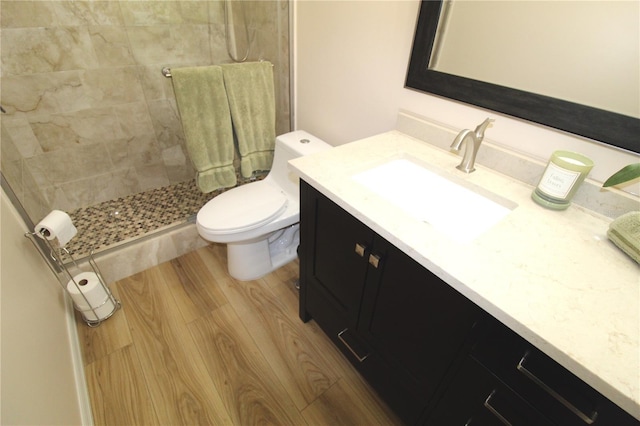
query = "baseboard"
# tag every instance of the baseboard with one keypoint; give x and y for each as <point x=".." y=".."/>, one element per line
<point x="84" y="402"/>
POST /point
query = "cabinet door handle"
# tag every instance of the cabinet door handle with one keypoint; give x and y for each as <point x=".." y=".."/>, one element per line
<point x="358" y="357"/>
<point x="585" y="418"/>
<point x="374" y="260"/>
<point x="360" y="249"/>
<point x="488" y="406"/>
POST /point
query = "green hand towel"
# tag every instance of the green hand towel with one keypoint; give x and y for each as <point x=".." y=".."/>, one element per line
<point x="251" y="96"/>
<point x="625" y="233"/>
<point x="206" y="121"/>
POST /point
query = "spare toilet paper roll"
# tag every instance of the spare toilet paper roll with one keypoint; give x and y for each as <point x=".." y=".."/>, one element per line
<point x="56" y="224"/>
<point x="89" y="285"/>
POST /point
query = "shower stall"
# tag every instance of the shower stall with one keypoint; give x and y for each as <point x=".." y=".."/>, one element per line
<point x="89" y="123"/>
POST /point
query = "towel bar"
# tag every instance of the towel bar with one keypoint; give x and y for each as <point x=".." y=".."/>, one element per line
<point x="166" y="71"/>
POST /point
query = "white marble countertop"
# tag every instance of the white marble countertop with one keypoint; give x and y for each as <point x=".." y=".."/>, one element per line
<point x="551" y="276"/>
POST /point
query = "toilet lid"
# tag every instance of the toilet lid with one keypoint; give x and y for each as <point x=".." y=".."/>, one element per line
<point x="243" y="208"/>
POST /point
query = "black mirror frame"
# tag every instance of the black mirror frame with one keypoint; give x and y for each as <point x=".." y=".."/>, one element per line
<point x="600" y="125"/>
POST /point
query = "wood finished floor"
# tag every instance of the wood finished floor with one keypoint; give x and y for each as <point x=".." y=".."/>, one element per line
<point x="192" y="346"/>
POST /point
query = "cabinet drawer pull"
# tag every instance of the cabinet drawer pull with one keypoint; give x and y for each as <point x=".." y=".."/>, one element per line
<point x="374" y="260"/>
<point x="527" y="373"/>
<point x="358" y="357"/>
<point x="488" y="406"/>
<point x="360" y="249"/>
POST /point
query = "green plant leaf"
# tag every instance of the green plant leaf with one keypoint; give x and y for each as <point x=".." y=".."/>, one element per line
<point x="625" y="174"/>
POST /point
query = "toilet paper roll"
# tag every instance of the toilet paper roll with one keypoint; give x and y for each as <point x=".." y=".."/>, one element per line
<point x="56" y="224"/>
<point x="98" y="297"/>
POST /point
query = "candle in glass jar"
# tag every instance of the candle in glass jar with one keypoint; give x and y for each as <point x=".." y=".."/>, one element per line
<point x="565" y="172"/>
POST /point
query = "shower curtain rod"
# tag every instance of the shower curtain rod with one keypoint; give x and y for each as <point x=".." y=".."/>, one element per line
<point x="166" y="71"/>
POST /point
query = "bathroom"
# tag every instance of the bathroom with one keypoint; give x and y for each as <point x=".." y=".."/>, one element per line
<point x="371" y="41"/>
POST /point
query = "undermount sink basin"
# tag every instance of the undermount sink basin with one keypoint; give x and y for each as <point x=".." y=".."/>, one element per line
<point x="454" y="207"/>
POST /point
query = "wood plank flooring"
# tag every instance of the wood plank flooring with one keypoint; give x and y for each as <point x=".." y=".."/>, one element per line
<point x="191" y="345"/>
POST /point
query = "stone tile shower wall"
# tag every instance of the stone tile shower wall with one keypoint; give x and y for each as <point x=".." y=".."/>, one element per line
<point x="89" y="116"/>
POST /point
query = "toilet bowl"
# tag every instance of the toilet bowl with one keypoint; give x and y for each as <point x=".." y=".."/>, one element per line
<point x="259" y="221"/>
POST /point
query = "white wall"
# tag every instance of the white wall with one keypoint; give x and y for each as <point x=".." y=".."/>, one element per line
<point x="350" y="60"/>
<point x="40" y="383"/>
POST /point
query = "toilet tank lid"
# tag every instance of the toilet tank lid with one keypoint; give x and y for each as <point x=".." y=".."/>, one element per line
<point x="302" y="143"/>
<point x="243" y="208"/>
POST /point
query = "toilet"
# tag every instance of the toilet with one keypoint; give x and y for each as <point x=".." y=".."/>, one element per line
<point x="259" y="221"/>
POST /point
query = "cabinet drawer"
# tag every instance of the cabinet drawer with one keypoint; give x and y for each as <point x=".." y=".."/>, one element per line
<point x="560" y="395"/>
<point x="476" y="397"/>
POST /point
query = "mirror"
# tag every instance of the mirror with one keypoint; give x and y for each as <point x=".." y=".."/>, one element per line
<point x="581" y="112"/>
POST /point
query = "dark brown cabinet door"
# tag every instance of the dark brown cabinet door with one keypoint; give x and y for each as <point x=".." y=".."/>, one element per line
<point x="413" y="320"/>
<point x="334" y="246"/>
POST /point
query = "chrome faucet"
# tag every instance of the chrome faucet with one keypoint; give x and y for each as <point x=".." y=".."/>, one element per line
<point x="474" y="139"/>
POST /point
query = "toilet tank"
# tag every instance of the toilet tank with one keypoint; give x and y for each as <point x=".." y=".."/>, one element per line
<point x="289" y="146"/>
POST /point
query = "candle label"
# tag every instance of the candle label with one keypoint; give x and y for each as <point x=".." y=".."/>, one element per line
<point x="557" y="182"/>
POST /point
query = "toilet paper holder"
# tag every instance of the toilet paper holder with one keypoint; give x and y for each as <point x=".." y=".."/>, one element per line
<point x="63" y="259"/>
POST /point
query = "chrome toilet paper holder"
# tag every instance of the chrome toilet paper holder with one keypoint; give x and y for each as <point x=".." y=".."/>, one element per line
<point x="62" y="258"/>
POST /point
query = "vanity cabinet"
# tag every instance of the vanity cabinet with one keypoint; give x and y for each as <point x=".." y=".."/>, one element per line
<point x="433" y="355"/>
<point x="399" y="324"/>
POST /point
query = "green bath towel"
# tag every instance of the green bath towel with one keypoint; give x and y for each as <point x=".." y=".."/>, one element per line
<point x="251" y="96"/>
<point x="206" y="121"/>
<point x="625" y="233"/>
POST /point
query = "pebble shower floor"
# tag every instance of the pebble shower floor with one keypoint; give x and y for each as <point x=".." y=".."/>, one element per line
<point x="114" y="222"/>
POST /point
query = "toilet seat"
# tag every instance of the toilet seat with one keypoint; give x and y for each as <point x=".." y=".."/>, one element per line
<point x="242" y="209"/>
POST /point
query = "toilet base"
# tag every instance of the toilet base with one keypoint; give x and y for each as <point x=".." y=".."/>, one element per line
<point x="250" y="260"/>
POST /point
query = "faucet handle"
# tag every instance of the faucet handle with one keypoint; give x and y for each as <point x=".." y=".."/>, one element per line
<point x="482" y="127"/>
<point x="488" y="122"/>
